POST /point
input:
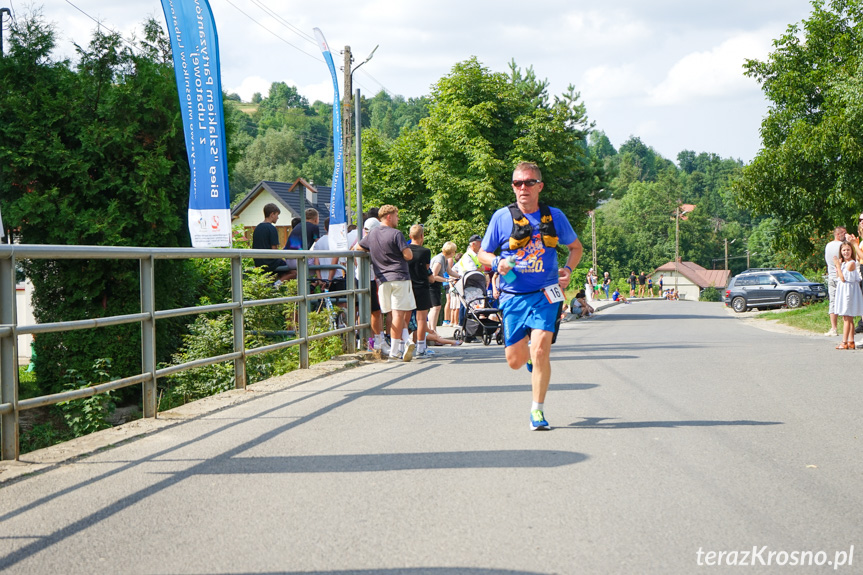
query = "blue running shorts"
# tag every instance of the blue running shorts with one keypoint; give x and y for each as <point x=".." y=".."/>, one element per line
<point x="521" y="313"/>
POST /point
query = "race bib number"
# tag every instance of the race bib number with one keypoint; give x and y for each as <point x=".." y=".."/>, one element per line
<point x="553" y="293"/>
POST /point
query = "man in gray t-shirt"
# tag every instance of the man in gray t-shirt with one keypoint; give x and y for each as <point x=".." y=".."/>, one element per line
<point x="386" y="246"/>
<point x="390" y="255"/>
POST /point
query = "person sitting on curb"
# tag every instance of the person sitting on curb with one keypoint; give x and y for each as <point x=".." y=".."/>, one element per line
<point x="579" y="307"/>
<point x="617" y="296"/>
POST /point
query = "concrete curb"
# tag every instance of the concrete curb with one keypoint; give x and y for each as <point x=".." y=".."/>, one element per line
<point x="55" y="455"/>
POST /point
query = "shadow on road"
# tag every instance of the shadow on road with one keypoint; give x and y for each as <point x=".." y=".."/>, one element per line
<point x="363" y="463"/>
<point x="478" y="389"/>
<point x="603" y="423"/>
<point x="401" y="570"/>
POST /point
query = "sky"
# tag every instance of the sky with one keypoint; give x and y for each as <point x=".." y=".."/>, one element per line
<point x="667" y="71"/>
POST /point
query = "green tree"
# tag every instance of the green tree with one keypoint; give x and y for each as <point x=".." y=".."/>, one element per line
<point x="450" y="172"/>
<point x="809" y="171"/>
<point x="104" y="164"/>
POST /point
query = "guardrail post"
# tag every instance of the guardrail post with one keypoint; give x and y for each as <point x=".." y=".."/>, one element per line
<point x="8" y="360"/>
<point x="352" y="306"/>
<point x="365" y="300"/>
<point x="303" y="290"/>
<point x="148" y="335"/>
<point x="238" y="321"/>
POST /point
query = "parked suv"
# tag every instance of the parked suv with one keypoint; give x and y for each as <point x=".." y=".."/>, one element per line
<point x="771" y="287"/>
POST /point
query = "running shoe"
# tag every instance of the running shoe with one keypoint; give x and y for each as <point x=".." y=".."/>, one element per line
<point x="529" y="365"/>
<point x="537" y="421"/>
<point x="409" y="351"/>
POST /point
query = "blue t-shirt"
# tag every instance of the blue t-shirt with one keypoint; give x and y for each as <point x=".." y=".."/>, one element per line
<point x="535" y="265"/>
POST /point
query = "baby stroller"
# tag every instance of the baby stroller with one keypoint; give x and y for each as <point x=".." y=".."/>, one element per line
<point x="479" y="319"/>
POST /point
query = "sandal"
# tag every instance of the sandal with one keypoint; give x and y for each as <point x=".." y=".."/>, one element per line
<point x="842" y="345"/>
<point x="850" y="345"/>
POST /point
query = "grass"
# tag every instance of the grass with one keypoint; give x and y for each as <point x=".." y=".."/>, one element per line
<point x="812" y="317"/>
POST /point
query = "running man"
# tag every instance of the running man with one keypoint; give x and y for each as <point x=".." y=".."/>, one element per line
<point x="531" y="302"/>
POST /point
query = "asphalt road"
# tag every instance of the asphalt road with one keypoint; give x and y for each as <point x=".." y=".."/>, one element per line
<point x="680" y="432"/>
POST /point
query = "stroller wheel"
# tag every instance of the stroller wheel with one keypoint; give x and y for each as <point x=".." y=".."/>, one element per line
<point x="456" y="335"/>
<point x="499" y="338"/>
<point x="486" y="338"/>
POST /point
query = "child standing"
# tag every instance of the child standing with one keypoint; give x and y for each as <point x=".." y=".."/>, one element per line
<point x="849" y="300"/>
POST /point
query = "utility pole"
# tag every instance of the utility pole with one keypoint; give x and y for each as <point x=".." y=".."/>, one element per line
<point x="347" y="126"/>
<point x="676" y="244"/>
<point x="593" y="238"/>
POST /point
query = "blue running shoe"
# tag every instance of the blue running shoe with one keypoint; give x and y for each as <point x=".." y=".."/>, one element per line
<point x="529" y="365"/>
<point x="538" y="422"/>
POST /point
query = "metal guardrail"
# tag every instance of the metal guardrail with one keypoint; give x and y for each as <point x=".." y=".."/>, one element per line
<point x="10" y="406"/>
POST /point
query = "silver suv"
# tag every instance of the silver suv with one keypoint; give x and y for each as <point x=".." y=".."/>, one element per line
<point x="771" y="287"/>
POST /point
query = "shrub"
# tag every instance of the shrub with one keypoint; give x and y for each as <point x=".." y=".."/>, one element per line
<point x="710" y="294"/>
<point x="84" y="416"/>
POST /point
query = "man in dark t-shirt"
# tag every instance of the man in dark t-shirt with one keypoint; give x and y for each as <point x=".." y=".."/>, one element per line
<point x="295" y="239"/>
<point x="642" y="280"/>
<point x="266" y="237"/>
<point x="419" y="271"/>
<point x="632" y="281"/>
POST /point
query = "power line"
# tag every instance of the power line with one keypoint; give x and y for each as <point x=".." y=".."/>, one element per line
<point x="100" y="25"/>
<point x="271" y="32"/>
<point x="309" y="38"/>
<point x="384" y="88"/>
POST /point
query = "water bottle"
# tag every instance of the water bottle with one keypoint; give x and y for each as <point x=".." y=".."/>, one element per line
<point x="510" y="275"/>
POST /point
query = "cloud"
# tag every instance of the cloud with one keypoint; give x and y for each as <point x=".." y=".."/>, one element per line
<point x="602" y="83"/>
<point x="249" y="86"/>
<point x="716" y="73"/>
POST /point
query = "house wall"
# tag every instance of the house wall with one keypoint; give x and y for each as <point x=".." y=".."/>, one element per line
<point x="24" y="311"/>
<point x="253" y="214"/>
<point x="685" y="288"/>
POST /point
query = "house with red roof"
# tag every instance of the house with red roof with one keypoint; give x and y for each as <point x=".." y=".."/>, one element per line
<point x="689" y="278"/>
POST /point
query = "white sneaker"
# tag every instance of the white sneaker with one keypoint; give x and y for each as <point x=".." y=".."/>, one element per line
<point x="409" y="351"/>
<point x="385" y="348"/>
<point x="832" y="332"/>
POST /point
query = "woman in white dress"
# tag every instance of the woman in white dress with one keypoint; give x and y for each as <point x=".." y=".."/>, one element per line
<point x="849" y="299"/>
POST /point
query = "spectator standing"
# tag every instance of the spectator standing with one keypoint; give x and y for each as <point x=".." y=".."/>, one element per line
<point x="606" y="283"/>
<point x="390" y="255"/>
<point x="632" y="281"/>
<point x="831" y="252"/>
<point x="642" y="281"/>
<point x="419" y="272"/>
<point x="266" y="237"/>
<point x="470" y="260"/>
<point x="849" y="299"/>
<point x="379" y="342"/>
<point x="335" y="277"/>
<point x="441" y="267"/>
<point x="650" y="286"/>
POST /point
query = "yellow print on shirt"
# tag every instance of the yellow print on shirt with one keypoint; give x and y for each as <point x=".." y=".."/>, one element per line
<point x="529" y="258"/>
